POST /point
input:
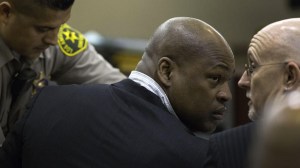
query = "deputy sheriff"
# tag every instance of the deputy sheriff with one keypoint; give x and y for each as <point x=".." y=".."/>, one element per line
<point x="37" y="48"/>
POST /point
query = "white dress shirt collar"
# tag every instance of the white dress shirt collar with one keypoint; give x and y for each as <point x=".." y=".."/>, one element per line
<point x="152" y="86"/>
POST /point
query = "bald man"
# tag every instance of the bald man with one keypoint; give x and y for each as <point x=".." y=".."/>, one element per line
<point x="179" y="88"/>
<point x="273" y="68"/>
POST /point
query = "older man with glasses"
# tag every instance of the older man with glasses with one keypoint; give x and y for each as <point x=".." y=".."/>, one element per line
<point x="273" y="57"/>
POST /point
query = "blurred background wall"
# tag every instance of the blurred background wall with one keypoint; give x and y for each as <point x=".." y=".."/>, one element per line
<point x="132" y="22"/>
<point x="236" y="20"/>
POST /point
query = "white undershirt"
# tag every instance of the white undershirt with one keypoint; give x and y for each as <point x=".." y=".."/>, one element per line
<point x="152" y="86"/>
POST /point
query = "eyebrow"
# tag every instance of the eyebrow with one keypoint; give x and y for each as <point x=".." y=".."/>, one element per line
<point x="223" y="66"/>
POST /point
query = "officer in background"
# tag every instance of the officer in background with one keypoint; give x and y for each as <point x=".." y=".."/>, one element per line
<point x="37" y="48"/>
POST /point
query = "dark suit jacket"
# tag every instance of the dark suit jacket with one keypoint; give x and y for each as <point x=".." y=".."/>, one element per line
<point x="115" y="126"/>
<point x="230" y="148"/>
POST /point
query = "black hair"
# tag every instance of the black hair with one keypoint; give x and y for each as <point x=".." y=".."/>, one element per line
<point x="56" y="4"/>
<point x="25" y="6"/>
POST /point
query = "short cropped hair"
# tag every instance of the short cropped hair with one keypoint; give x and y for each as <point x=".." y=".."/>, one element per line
<point x="55" y="4"/>
<point x="26" y="5"/>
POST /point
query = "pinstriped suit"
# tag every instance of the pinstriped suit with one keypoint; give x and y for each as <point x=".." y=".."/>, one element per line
<point x="122" y="125"/>
<point x="229" y="149"/>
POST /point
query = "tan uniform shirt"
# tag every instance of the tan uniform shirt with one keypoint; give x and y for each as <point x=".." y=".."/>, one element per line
<point x="73" y="61"/>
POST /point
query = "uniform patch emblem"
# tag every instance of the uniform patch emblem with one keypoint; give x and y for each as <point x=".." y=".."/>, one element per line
<point x="71" y="41"/>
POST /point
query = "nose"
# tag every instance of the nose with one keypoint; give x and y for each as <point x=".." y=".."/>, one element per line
<point x="51" y="37"/>
<point x="224" y="94"/>
<point x="244" y="81"/>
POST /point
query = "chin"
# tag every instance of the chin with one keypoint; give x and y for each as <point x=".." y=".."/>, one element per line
<point x="210" y="128"/>
<point x="204" y="129"/>
<point x="252" y="114"/>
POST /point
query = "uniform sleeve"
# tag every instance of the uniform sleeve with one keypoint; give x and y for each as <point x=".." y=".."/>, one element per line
<point x="75" y="61"/>
<point x="84" y="68"/>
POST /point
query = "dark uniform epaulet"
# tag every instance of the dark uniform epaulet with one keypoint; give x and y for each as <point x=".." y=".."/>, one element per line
<point x="71" y="41"/>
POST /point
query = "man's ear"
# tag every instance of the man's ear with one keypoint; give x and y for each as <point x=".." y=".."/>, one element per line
<point x="292" y="79"/>
<point x="165" y="68"/>
<point x="5" y="10"/>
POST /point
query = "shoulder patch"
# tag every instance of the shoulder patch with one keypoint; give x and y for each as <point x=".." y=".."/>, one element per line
<point x="71" y="41"/>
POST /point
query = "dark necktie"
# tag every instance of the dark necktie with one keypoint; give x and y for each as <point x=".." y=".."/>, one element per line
<point x="21" y="82"/>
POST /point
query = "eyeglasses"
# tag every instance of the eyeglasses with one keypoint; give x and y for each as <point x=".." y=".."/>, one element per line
<point x="250" y="69"/>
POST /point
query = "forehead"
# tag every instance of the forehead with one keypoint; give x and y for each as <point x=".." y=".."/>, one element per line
<point x="272" y="46"/>
<point x="224" y="63"/>
<point x="260" y="52"/>
<point x="266" y="55"/>
<point x="220" y="59"/>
